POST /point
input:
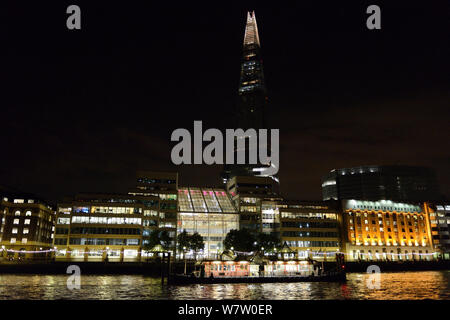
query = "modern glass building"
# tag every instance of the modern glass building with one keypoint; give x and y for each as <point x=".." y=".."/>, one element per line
<point x="439" y="213"/>
<point x="211" y="213"/>
<point x="396" y="183"/>
<point x="312" y="228"/>
<point x="256" y="199"/>
<point x="163" y="185"/>
<point x="99" y="227"/>
<point x="252" y="99"/>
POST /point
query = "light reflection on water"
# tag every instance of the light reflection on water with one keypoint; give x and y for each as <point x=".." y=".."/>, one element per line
<point x="405" y="285"/>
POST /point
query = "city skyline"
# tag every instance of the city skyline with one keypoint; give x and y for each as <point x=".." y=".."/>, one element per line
<point x="214" y="159"/>
<point x="344" y="96"/>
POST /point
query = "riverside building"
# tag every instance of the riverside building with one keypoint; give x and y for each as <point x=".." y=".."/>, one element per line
<point x="99" y="227"/>
<point x="256" y="199"/>
<point x="396" y="183"/>
<point x="211" y="213"/>
<point x="439" y="213"/>
<point x="163" y="185"/>
<point x="311" y="228"/>
<point x="26" y="227"/>
<point x="386" y="230"/>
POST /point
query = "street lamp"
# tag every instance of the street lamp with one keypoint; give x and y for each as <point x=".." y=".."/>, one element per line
<point x="184" y="254"/>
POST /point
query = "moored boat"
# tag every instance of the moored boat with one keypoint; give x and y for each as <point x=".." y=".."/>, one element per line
<point x="192" y="279"/>
<point x="243" y="271"/>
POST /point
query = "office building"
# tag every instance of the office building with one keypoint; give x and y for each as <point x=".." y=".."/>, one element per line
<point x="385" y="230"/>
<point x="163" y="185"/>
<point x="99" y="227"/>
<point x="439" y="213"/>
<point x="311" y="228"/>
<point x="396" y="183"/>
<point x="26" y="227"/>
<point x="256" y="199"/>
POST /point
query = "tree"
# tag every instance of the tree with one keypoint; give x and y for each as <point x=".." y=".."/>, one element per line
<point x="267" y="241"/>
<point x="196" y="243"/>
<point x="155" y="238"/>
<point x="164" y="239"/>
<point x="183" y="240"/>
<point x="240" y="240"/>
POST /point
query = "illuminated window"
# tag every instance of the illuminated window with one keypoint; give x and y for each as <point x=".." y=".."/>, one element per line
<point x="17" y="213"/>
<point x="14" y="230"/>
<point x="25" y="231"/>
<point x="16" y="221"/>
<point x="24" y="240"/>
<point x="27" y="221"/>
<point x="64" y="220"/>
<point x="28" y="213"/>
<point x="13" y="240"/>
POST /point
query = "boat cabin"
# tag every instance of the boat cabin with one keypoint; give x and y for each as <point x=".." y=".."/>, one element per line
<point x="230" y="269"/>
<point x="289" y="268"/>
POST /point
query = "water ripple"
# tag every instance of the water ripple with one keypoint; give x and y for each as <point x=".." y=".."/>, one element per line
<point x="393" y="286"/>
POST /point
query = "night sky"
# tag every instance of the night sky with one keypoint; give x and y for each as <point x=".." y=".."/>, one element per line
<point x="83" y="110"/>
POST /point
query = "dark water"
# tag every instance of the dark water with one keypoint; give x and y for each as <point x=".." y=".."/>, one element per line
<point x="406" y="285"/>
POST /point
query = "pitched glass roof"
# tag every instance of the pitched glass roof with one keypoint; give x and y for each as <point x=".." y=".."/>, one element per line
<point x="184" y="200"/>
<point x="204" y="200"/>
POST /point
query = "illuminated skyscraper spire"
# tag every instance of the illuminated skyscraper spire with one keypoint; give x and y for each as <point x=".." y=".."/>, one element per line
<point x="252" y="90"/>
<point x="251" y="30"/>
<point x="252" y="96"/>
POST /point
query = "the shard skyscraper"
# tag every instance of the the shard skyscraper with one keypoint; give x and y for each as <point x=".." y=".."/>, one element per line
<point x="252" y="97"/>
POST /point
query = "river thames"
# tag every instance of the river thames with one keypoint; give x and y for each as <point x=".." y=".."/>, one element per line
<point x="393" y="286"/>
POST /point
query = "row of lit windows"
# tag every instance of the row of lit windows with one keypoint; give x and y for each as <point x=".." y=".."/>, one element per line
<point x="387" y="223"/>
<point x="248" y="209"/>
<point x="100" y="220"/>
<point x="402" y="221"/>
<point x="300" y="225"/>
<point x="27" y="213"/>
<point x="387" y="215"/>
<point x="306" y="244"/>
<point x="14" y="240"/>
<point x="90" y="230"/>
<point x="101" y="241"/>
<point x="16" y="230"/>
<point x="248" y="200"/>
<point x="20" y="201"/>
<point x="310" y="234"/>
<point x="311" y="215"/>
<point x="163" y="196"/>
<point x="26" y="221"/>
<point x="410" y="243"/>
<point x="375" y="229"/>
<point x="152" y="181"/>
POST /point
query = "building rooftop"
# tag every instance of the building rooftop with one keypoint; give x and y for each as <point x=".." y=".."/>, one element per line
<point x="209" y="200"/>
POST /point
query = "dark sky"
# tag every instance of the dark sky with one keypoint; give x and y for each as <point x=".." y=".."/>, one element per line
<point x="83" y="110"/>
